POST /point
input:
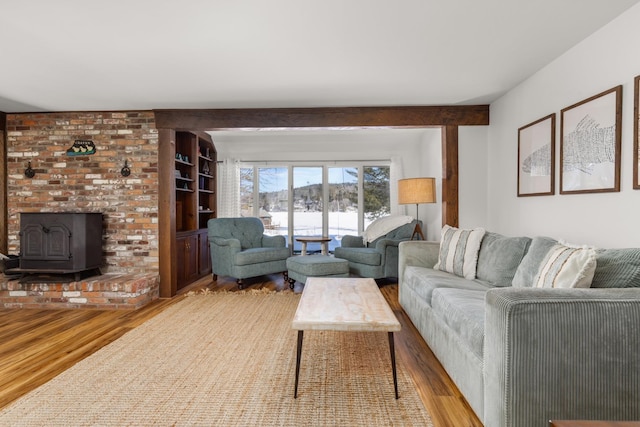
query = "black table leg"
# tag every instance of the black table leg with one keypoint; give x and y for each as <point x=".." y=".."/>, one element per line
<point x="392" y="348"/>
<point x="298" y="356"/>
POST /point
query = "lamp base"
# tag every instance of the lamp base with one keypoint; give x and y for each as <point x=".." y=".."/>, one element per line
<point x="417" y="230"/>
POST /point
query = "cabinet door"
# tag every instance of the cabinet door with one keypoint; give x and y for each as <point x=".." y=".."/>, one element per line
<point x="187" y="257"/>
<point x="204" y="254"/>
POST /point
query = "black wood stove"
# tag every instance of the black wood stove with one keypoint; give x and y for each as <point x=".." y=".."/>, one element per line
<point x="61" y="243"/>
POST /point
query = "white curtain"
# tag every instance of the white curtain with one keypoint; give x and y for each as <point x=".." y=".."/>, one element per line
<point x="396" y="173"/>
<point x="229" y="188"/>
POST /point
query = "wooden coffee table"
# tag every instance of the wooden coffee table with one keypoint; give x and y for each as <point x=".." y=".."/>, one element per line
<point x="324" y="243"/>
<point x="344" y="304"/>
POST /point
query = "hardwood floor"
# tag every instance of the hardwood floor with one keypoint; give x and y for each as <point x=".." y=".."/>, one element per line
<point x="36" y="345"/>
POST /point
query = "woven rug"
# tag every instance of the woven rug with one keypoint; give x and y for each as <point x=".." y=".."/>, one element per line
<point x="227" y="359"/>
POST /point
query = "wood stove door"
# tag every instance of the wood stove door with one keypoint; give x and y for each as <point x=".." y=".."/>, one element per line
<point x="50" y="243"/>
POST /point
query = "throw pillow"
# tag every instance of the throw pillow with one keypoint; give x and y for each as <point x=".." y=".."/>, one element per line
<point x="617" y="268"/>
<point x="528" y="268"/>
<point x="459" y="251"/>
<point x="567" y="267"/>
<point x="499" y="258"/>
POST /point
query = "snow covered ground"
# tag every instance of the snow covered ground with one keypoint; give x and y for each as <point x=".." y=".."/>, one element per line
<point x="310" y="224"/>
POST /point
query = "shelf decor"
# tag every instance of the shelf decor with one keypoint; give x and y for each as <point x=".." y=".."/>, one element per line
<point x="536" y="157"/>
<point x="636" y="131"/>
<point x="590" y="143"/>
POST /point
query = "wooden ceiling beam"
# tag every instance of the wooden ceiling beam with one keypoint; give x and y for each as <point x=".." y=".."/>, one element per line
<point x="326" y="117"/>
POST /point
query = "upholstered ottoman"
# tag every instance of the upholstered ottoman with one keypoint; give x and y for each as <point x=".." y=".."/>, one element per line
<point x="301" y="267"/>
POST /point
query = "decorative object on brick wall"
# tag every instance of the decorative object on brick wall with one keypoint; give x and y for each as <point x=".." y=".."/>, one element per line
<point x="81" y="147"/>
<point x="29" y="172"/>
<point x="125" y="171"/>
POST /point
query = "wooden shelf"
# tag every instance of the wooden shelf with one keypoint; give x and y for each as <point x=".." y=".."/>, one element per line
<point x="194" y="205"/>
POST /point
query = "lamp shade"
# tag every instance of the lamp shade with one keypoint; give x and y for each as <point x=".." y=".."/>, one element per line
<point x="416" y="190"/>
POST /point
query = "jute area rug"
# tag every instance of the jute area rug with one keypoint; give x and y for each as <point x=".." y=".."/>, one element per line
<point x="227" y="359"/>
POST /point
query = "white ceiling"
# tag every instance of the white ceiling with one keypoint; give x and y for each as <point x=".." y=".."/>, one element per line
<point x="145" y="54"/>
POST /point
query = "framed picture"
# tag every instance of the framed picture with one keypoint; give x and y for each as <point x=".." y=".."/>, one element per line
<point x="590" y="141"/>
<point x="536" y="157"/>
<point x="636" y="130"/>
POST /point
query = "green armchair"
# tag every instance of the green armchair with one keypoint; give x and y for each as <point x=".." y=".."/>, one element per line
<point x="377" y="259"/>
<point x="240" y="249"/>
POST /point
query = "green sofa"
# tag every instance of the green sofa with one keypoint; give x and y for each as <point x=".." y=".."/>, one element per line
<point x="522" y="355"/>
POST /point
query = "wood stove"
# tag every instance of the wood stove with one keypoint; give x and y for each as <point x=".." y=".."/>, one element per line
<point x="60" y="243"/>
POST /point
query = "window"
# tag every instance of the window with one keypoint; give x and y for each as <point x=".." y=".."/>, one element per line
<point x="299" y="200"/>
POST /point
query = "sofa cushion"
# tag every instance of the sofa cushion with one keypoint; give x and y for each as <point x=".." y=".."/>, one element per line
<point x="617" y="268"/>
<point x="260" y="255"/>
<point x="528" y="268"/>
<point x="459" y="251"/>
<point x="463" y="311"/>
<point x="423" y="281"/>
<point x="499" y="258"/>
<point x="367" y="256"/>
<point x="567" y="267"/>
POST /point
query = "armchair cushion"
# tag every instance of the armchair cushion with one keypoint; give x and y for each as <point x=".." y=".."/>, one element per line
<point x="369" y="256"/>
<point x="258" y="255"/>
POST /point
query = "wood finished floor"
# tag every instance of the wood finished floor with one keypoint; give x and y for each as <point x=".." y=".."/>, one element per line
<point x="37" y="345"/>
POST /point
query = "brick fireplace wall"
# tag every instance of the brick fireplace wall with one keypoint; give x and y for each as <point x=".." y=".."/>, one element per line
<point x="89" y="183"/>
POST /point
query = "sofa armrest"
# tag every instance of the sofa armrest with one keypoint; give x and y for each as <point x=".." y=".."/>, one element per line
<point x="349" y="241"/>
<point x="277" y="241"/>
<point x="418" y="253"/>
<point x="561" y="353"/>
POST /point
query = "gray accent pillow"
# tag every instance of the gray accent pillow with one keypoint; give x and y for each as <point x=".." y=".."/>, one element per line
<point x="500" y="257"/>
<point x="617" y="268"/>
<point x="528" y="268"/>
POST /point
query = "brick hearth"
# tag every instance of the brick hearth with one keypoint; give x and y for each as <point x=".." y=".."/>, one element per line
<point x="111" y="291"/>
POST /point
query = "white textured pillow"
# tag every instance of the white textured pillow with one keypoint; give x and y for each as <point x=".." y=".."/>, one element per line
<point x="566" y="267"/>
<point x="459" y="251"/>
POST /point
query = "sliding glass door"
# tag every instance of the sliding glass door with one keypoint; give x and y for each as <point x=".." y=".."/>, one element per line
<point x="324" y="200"/>
<point x="343" y="204"/>
<point x="308" y="205"/>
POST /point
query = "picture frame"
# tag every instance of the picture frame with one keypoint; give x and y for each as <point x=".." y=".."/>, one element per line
<point x="536" y="157"/>
<point x="636" y="131"/>
<point x="590" y="144"/>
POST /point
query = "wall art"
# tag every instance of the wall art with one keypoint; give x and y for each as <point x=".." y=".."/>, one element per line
<point x="536" y="157"/>
<point x="636" y="130"/>
<point x="81" y="147"/>
<point x="590" y="141"/>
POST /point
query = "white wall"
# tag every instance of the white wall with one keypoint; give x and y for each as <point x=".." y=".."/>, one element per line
<point x="606" y="59"/>
<point x="472" y="176"/>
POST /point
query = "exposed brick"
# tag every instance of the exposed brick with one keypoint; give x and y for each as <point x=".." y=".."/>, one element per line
<point x="88" y="183"/>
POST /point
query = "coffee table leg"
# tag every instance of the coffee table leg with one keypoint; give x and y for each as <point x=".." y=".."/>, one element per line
<point x="392" y="348"/>
<point x="298" y="356"/>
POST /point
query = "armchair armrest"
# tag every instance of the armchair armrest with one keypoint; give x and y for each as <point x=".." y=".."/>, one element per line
<point x="273" y="241"/>
<point x="561" y="353"/>
<point x="223" y="252"/>
<point x="419" y="253"/>
<point x="349" y="241"/>
<point x="222" y="242"/>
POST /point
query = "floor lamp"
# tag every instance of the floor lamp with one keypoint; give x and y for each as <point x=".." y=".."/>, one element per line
<point x="417" y="190"/>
